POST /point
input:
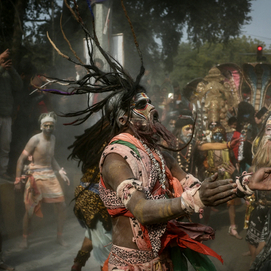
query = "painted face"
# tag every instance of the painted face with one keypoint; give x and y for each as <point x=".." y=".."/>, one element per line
<point x="268" y="129"/>
<point x="172" y="124"/>
<point x="212" y="125"/>
<point x="218" y="137"/>
<point x="187" y="130"/>
<point x="48" y="127"/>
<point x="141" y="106"/>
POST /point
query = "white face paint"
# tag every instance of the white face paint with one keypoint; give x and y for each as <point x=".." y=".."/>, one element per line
<point x="143" y="112"/>
<point x="172" y="124"/>
<point x="141" y="106"/>
<point x="187" y="130"/>
<point x="48" y="127"/>
<point x="268" y="129"/>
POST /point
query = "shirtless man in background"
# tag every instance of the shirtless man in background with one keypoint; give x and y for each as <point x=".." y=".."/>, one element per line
<point x="42" y="183"/>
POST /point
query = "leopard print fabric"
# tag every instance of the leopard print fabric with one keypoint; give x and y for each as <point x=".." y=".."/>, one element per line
<point x="109" y="198"/>
<point x="132" y="259"/>
<point x="131" y="256"/>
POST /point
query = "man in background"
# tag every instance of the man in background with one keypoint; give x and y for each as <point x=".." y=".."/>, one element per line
<point x="10" y="85"/>
<point x="42" y="183"/>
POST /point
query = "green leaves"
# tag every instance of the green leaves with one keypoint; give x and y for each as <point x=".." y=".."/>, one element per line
<point x="192" y="62"/>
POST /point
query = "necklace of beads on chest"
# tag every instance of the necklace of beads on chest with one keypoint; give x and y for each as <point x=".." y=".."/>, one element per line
<point x="187" y="156"/>
<point x="155" y="165"/>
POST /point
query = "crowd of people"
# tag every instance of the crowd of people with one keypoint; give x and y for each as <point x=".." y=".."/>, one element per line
<point x="209" y="144"/>
<point x="27" y="140"/>
<point x="151" y="159"/>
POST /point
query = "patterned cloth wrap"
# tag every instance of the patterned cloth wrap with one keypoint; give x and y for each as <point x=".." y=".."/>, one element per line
<point x="92" y="215"/>
<point x="151" y="238"/>
<point x="124" y="258"/>
<point x="42" y="185"/>
<point x="88" y="204"/>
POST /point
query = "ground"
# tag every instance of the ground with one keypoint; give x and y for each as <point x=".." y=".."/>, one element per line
<point x="44" y="254"/>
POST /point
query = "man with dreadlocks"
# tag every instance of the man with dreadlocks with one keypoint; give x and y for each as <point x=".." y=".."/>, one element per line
<point x="42" y="183"/>
<point x="143" y="188"/>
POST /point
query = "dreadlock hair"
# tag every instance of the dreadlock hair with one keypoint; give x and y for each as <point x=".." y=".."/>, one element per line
<point x="87" y="148"/>
<point x="245" y="109"/>
<point x="117" y="83"/>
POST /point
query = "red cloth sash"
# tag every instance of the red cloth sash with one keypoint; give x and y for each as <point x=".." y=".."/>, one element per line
<point x="175" y="234"/>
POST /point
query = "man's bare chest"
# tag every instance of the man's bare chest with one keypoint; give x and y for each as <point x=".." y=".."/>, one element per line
<point x="45" y="148"/>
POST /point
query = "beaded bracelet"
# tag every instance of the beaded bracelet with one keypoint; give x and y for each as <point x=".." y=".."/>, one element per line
<point x="242" y="185"/>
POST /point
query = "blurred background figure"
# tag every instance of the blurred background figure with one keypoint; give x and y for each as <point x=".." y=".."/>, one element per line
<point x="10" y="85"/>
<point x="258" y="233"/>
<point x="42" y="183"/>
<point x="183" y="131"/>
<point x="25" y="119"/>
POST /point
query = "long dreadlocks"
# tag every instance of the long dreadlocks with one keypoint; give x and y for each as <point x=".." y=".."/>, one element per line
<point x="121" y="89"/>
<point x="119" y="85"/>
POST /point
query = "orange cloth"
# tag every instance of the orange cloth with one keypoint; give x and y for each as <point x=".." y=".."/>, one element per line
<point x="42" y="185"/>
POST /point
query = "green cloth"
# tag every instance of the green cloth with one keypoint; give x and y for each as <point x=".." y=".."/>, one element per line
<point x="200" y="262"/>
<point x="128" y="144"/>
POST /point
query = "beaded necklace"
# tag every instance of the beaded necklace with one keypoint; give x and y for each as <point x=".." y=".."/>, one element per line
<point x="155" y="165"/>
<point x="187" y="156"/>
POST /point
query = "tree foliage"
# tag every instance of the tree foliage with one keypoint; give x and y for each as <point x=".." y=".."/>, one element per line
<point x="192" y="63"/>
<point x="213" y="21"/>
<point x="159" y="25"/>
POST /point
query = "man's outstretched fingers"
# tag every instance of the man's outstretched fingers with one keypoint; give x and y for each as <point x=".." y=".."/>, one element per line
<point x="224" y="191"/>
<point x="219" y="183"/>
<point x="211" y="195"/>
<point x="224" y="200"/>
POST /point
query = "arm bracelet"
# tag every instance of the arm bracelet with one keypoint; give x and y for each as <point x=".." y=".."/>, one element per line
<point x="242" y="185"/>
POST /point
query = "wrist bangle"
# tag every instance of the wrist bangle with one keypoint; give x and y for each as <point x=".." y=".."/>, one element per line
<point x="242" y="185"/>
